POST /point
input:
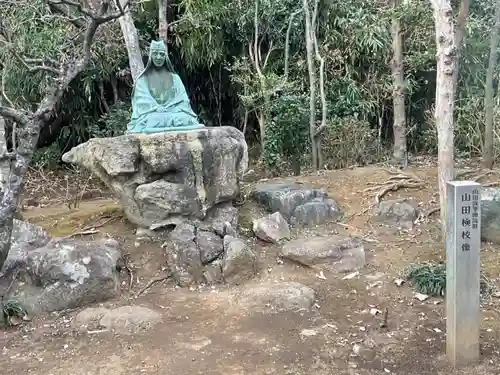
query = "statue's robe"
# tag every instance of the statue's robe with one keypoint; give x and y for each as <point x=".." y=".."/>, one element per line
<point x="172" y="112"/>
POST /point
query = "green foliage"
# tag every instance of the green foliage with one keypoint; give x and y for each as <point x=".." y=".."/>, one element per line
<point x="427" y="278"/>
<point x="208" y="37"/>
<point x="288" y="131"/>
<point x="12" y="309"/>
<point x="430" y="279"/>
<point x="113" y="123"/>
<point x="48" y="157"/>
<point x="348" y="141"/>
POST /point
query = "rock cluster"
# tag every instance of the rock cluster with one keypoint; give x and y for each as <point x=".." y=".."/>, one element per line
<point x="200" y="256"/>
<point x="300" y="205"/>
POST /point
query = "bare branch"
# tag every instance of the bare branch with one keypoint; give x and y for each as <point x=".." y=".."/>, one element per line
<point x="287" y="42"/>
<point x="100" y="17"/>
<point x="70" y="71"/>
<point x="64" y="11"/>
<point x="4" y="94"/>
<point x="14" y="115"/>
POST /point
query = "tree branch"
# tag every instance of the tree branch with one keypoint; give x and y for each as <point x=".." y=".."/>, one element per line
<point x="78" y="22"/>
<point x="287" y="42"/>
<point x="70" y="71"/>
<point x="14" y="115"/>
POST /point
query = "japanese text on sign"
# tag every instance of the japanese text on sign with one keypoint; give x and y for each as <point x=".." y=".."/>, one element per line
<point x="469" y="218"/>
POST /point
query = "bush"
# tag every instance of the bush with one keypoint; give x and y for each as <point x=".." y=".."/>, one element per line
<point x="430" y="279"/>
<point x="113" y="123"/>
<point x="48" y="157"/>
<point x="348" y="141"/>
<point x="287" y="133"/>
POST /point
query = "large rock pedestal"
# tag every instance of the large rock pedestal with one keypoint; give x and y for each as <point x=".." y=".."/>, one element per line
<point x="185" y="181"/>
<point x="168" y="178"/>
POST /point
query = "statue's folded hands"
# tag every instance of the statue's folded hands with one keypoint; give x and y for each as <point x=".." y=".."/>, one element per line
<point x="159" y="100"/>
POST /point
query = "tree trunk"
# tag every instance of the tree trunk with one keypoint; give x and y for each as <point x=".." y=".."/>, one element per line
<point x="445" y="100"/>
<point x="488" y="97"/>
<point x="398" y="92"/>
<point x="162" y="20"/>
<point x="6" y="222"/>
<point x="463" y="14"/>
<point x="131" y="38"/>
<point x="4" y="161"/>
<point x="312" y="83"/>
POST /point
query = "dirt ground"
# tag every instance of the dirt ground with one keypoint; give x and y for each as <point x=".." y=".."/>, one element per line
<point x="205" y="332"/>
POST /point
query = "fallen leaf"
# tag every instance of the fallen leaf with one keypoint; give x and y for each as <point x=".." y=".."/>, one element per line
<point x="421" y="297"/>
<point x="321" y="275"/>
<point x="399" y="282"/>
<point x="351" y="276"/>
<point x="308" y="332"/>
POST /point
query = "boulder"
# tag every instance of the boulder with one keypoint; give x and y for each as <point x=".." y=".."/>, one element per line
<point x="300" y="205"/>
<point x="335" y="252"/>
<point x="62" y="273"/>
<point x="168" y="178"/>
<point x="271" y="228"/>
<point x="400" y="213"/>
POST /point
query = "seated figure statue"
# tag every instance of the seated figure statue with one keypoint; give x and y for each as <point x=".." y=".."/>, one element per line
<point x="159" y="99"/>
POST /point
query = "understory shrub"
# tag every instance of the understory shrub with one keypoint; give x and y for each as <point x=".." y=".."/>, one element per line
<point x="348" y="141"/>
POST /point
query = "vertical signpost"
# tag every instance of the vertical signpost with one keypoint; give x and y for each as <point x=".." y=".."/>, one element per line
<point x="463" y="242"/>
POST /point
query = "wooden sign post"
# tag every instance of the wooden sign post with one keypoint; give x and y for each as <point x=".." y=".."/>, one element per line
<point x="463" y="243"/>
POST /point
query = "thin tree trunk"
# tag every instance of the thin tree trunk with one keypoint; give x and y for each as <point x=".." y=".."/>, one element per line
<point x="463" y="14"/>
<point x="398" y="92"/>
<point x="324" y="107"/>
<point x="445" y="101"/>
<point x="312" y="83"/>
<point x="488" y="97"/>
<point x="131" y="38"/>
<point x="4" y="161"/>
<point x="6" y="224"/>
<point x="162" y="20"/>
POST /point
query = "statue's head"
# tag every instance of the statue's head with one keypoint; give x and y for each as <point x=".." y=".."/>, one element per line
<point x="158" y="55"/>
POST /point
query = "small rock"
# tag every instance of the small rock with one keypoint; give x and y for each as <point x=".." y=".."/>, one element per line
<point x="240" y="262"/>
<point x="318" y="211"/>
<point x="339" y="253"/>
<point x="213" y="272"/>
<point x="401" y="213"/>
<point x="130" y="319"/>
<point x="281" y="296"/>
<point x="271" y="228"/>
<point x="210" y="246"/>
<point x="89" y="316"/>
<point x="184" y="256"/>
